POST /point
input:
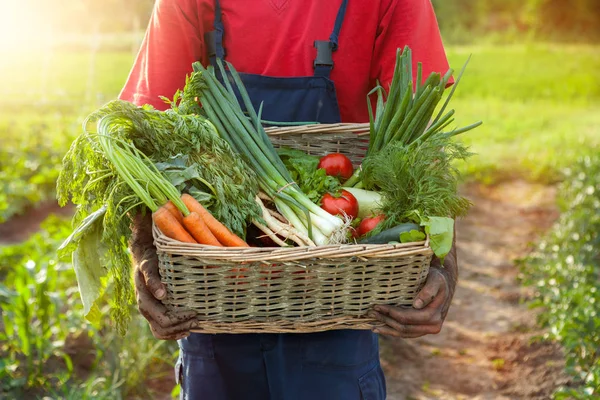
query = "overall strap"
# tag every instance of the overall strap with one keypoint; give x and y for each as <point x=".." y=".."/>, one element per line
<point x="214" y="39"/>
<point x="323" y="63"/>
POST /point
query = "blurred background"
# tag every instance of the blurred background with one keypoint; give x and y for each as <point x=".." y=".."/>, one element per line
<point x="533" y="79"/>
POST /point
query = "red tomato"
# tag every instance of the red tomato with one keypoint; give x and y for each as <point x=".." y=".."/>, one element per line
<point x="346" y="204"/>
<point x="368" y="224"/>
<point x="337" y="164"/>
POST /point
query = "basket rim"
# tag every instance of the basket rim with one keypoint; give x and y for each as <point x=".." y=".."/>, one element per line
<point x="358" y="129"/>
<point x="292" y="253"/>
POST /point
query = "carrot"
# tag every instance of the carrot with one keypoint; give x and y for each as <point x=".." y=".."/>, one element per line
<point x="170" y="227"/>
<point x="174" y="210"/>
<point x="197" y="227"/>
<point x="220" y="231"/>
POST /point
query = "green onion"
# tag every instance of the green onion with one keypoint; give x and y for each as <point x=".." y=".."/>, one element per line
<point x="247" y="137"/>
<point x="407" y="115"/>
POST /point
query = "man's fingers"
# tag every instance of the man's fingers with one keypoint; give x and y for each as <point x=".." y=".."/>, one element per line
<point x="411" y="333"/>
<point x="149" y="267"/>
<point x="154" y="311"/>
<point x="436" y="284"/>
<point x="171" y="318"/>
<point x="174" y="332"/>
<point x="139" y="281"/>
<point x="387" y="331"/>
<point x="408" y="316"/>
<point x="433" y="325"/>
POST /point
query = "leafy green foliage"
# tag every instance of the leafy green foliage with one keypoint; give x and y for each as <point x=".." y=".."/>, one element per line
<point x="28" y="163"/>
<point x="313" y="182"/>
<point x="421" y="178"/>
<point x="565" y="270"/>
<point x="42" y="319"/>
<point x="93" y="178"/>
<point x="464" y="20"/>
<point x="34" y="325"/>
<point x="412" y="236"/>
<point x="441" y="234"/>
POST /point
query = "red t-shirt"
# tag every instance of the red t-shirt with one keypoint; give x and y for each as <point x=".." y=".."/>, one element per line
<point x="275" y="38"/>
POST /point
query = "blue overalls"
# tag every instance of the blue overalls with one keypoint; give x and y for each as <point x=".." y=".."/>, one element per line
<point x="342" y="364"/>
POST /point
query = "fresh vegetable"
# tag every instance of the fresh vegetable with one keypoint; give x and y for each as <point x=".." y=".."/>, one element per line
<point x="344" y="205"/>
<point x="110" y="173"/>
<point x="441" y="234"/>
<point x="369" y="202"/>
<point x="220" y="231"/>
<point x="337" y="165"/>
<point x="390" y="235"/>
<point x="368" y="224"/>
<point x="170" y="226"/>
<point x="303" y="168"/>
<point x="189" y="152"/>
<point x="421" y="178"/>
<point x="131" y="181"/>
<point x="247" y="137"/>
<point x="406" y="116"/>
<point x="196" y="225"/>
<point x="412" y="236"/>
<point x="174" y="211"/>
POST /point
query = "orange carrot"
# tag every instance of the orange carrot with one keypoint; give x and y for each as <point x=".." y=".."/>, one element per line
<point x="170" y="227"/>
<point x="197" y="227"/>
<point x="220" y="231"/>
<point x="175" y="211"/>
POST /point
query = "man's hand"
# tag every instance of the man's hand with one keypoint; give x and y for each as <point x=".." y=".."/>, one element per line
<point x="164" y="324"/>
<point x="429" y="307"/>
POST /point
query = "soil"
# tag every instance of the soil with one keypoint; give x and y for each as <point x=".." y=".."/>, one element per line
<point x="486" y="349"/>
<point x="20" y="227"/>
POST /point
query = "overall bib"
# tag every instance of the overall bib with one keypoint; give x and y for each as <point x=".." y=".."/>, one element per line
<point x="342" y="364"/>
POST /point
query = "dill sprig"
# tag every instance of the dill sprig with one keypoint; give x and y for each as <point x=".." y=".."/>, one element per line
<point x="419" y="177"/>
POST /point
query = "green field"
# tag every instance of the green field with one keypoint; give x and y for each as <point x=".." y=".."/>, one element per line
<point x="540" y="105"/>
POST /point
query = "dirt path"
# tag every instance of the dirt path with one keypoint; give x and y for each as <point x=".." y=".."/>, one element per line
<point x="19" y="228"/>
<point x="485" y="350"/>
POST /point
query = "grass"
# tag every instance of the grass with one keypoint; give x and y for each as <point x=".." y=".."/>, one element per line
<point x="62" y="78"/>
<point x="539" y="114"/>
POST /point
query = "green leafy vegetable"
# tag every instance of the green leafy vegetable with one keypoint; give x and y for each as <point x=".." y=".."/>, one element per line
<point x="193" y="142"/>
<point x="303" y="169"/>
<point x="246" y="135"/>
<point x="107" y="167"/>
<point x="407" y="116"/>
<point x="441" y="234"/>
<point x="412" y="236"/>
<point x="421" y="178"/>
<point x="89" y="260"/>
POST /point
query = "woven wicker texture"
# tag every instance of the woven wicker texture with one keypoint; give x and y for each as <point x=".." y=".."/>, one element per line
<point x="351" y="140"/>
<point x="295" y="289"/>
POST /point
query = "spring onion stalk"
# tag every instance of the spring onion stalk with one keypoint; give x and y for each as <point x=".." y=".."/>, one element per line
<point x="407" y="114"/>
<point x="247" y="137"/>
<point x="134" y="167"/>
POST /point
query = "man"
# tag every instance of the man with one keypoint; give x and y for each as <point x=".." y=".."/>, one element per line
<point x="310" y="60"/>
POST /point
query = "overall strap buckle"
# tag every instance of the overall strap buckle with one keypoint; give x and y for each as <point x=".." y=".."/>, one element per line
<point x="324" y="54"/>
<point x="213" y="41"/>
<point x="210" y="40"/>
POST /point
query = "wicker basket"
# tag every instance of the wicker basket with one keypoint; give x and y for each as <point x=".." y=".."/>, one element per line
<point x="296" y="289"/>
